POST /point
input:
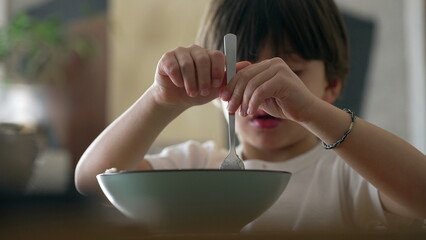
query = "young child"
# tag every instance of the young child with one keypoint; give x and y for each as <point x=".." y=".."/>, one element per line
<point x="347" y="173"/>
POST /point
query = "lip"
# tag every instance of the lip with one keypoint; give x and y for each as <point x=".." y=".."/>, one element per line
<point x="262" y="120"/>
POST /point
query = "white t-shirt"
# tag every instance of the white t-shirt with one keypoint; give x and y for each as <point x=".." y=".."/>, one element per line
<point x="323" y="193"/>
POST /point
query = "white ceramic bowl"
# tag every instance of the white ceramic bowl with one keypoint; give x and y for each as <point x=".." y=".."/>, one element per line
<point x="207" y="200"/>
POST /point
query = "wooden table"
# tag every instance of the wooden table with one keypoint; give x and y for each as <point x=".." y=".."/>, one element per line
<point x="71" y="216"/>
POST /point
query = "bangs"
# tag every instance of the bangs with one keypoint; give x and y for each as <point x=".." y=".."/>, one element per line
<point x="295" y="26"/>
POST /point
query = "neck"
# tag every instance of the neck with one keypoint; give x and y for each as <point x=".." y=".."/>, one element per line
<point x="280" y="154"/>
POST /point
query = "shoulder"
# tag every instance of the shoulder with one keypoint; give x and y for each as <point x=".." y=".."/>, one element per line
<point x="338" y="168"/>
<point x="329" y="159"/>
<point x="331" y="168"/>
<point x="320" y="159"/>
<point x="359" y="199"/>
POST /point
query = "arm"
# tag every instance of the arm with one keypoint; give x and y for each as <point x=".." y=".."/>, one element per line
<point x="185" y="77"/>
<point x="124" y="143"/>
<point x="395" y="167"/>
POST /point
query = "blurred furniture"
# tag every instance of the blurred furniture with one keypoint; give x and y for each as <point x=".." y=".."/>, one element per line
<point x="78" y="106"/>
<point x="73" y="217"/>
<point x="18" y="151"/>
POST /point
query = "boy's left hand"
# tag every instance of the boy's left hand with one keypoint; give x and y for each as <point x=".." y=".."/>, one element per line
<point x="271" y="86"/>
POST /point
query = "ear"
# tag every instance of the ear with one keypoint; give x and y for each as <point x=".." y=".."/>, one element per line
<point x="333" y="90"/>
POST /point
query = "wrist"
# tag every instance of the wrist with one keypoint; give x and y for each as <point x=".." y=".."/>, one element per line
<point x="343" y="138"/>
<point x="327" y="122"/>
<point x="311" y="111"/>
<point x="158" y="103"/>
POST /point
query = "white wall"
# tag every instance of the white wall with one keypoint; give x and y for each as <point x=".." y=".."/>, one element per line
<point x="388" y="96"/>
<point x="415" y="41"/>
<point x="140" y="33"/>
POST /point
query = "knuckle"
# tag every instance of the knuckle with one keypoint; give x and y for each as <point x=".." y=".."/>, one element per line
<point x="259" y="92"/>
<point x="277" y="68"/>
<point x="173" y="70"/>
<point x="277" y="60"/>
<point x="203" y="59"/>
<point x="168" y="55"/>
<point x="179" y="49"/>
<point x="169" y="65"/>
<point x="186" y="67"/>
<point x="218" y="62"/>
<point x="237" y="94"/>
<point x="168" y="62"/>
<point x="217" y="70"/>
<point x="244" y="75"/>
<point x="281" y="75"/>
<point x="167" y="58"/>
<point x="194" y="46"/>
<point x="250" y="87"/>
<point x="217" y="54"/>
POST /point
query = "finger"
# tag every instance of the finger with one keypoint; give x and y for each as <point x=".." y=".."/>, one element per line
<point x="187" y="69"/>
<point x="262" y="92"/>
<point x="169" y="68"/>
<point x="226" y="92"/>
<point x="241" y="65"/>
<point x="242" y="78"/>
<point x="217" y="59"/>
<point x="237" y="94"/>
<point x="252" y="85"/>
<point x="203" y="69"/>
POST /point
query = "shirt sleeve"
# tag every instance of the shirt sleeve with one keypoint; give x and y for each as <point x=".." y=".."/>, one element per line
<point x="188" y="155"/>
<point x="368" y="210"/>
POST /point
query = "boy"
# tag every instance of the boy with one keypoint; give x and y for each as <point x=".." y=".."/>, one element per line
<point x="293" y="62"/>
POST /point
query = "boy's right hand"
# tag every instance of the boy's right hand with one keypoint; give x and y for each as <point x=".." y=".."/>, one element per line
<point x="189" y="76"/>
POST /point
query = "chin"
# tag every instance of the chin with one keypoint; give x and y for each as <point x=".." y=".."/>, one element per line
<point x="270" y="143"/>
<point x="285" y="135"/>
<point x="278" y="139"/>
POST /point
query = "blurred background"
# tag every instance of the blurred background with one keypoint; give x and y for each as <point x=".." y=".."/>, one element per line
<point x="70" y="67"/>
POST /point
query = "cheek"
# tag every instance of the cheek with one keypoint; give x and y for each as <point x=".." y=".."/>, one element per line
<point x="314" y="78"/>
<point x="315" y="84"/>
<point x="241" y="124"/>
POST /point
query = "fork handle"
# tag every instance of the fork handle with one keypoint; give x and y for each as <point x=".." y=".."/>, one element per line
<point x="231" y="129"/>
<point x="230" y="46"/>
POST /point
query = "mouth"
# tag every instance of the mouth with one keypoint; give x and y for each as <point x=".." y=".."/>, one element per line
<point x="262" y="120"/>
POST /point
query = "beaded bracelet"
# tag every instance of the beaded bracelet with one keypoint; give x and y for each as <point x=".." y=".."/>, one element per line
<point x="331" y="146"/>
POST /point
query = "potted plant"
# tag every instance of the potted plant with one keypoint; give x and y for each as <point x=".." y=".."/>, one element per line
<point x="48" y="58"/>
<point x="36" y="50"/>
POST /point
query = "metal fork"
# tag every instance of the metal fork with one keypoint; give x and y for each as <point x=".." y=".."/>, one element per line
<point x="232" y="161"/>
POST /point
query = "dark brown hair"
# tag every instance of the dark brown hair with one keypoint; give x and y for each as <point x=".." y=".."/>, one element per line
<point x="312" y="28"/>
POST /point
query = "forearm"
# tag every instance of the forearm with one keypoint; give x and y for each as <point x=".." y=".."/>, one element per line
<point x="395" y="167"/>
<point x="125" y="142"/>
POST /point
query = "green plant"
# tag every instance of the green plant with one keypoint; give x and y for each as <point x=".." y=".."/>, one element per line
<point x="35" y="50"/>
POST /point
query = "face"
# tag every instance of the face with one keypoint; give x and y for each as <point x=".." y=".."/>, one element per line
<point x="264" y="137"/>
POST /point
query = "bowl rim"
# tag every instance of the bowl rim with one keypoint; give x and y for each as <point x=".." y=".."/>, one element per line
<point x="191" y="170"/>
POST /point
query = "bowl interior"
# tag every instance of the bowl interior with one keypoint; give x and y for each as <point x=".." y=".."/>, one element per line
<point x="194" y="200"/>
